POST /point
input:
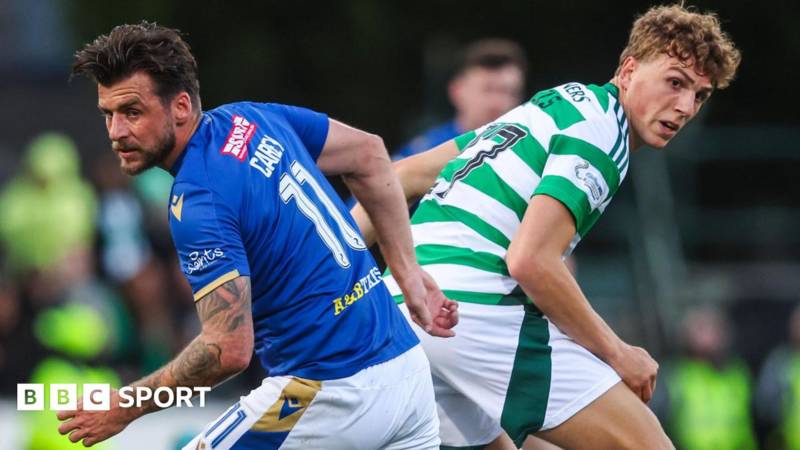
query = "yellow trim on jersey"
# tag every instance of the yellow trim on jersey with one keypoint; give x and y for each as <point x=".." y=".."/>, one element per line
<point x="215" y="284"/>
<point x="297" y="395"/>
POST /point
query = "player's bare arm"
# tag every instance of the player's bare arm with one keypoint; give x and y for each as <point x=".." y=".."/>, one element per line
<point x="416" y="174"/>
<point x="534" y="260"/>
<point x="363" y="162"/>
<point x="222" y="350"/>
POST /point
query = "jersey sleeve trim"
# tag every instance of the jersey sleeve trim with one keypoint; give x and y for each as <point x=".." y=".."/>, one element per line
<point x="464" y="140"/>
<point x="215" y="284"/>
<point x="565" y="192"/>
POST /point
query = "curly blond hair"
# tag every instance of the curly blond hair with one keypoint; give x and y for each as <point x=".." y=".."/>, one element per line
<point x="694" y="38"/>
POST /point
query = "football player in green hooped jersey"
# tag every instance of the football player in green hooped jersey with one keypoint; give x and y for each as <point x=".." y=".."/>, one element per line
<point x="504" y="205"/>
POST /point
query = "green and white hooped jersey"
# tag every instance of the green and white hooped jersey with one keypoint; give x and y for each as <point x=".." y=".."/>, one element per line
<point x="569" y="142"/>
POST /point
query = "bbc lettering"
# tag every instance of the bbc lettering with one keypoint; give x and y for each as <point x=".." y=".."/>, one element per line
<point x="97" y="397"/>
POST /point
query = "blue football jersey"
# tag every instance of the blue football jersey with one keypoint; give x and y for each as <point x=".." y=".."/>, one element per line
<point x="248" y="199"/>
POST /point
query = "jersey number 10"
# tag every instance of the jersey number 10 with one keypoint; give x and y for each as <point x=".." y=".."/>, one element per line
<point x="291" y="186"/>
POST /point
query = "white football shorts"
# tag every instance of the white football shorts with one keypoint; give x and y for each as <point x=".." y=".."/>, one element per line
<point x="386" y="406"/>
<point x="509" y="368"/>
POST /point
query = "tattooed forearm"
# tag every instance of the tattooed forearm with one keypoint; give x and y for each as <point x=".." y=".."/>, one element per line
<point x="220" y="351"/>
<point x="198" y="365"/>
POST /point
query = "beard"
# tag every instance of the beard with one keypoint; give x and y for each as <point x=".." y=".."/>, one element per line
<point x="147" y="157"/>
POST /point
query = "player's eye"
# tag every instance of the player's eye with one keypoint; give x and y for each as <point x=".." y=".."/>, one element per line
<point x="675" y="82"/>
<point x="701" y="97"/>
<point x="132" y="113"/>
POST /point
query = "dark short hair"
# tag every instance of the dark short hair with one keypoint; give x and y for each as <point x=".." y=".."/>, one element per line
<point x="158" y="51"/>
<point x="491" y="53"/>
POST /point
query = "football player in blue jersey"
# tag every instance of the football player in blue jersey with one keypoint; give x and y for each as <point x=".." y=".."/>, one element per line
<point x="275" y="261"/>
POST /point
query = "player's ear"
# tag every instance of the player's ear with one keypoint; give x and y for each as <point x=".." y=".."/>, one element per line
<point x="182" y="108"/>
<point x="629" y="66"/>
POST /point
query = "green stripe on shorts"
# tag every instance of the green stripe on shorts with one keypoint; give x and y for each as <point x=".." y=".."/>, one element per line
<point x="529" y="386"/>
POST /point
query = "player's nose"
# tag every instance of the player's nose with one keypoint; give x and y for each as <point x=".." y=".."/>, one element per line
<point x="117" y="127"/>
<point x="686" y="104"/>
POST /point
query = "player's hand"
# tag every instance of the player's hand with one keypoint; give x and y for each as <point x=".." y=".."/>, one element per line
<point x="637" y="369"/>
<point x="95" y="426"/>
<point x="427" y="305"/>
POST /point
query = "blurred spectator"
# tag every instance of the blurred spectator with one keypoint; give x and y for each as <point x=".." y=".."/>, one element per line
<point x="128" y="260"/>
<point x="123" y="245"/>
<point x="48" y="217"/>
<point x="75" y="335"/>
<point x="488" y="81"/>
<point x="708" y="390"/>
<point x="778" y="393"/>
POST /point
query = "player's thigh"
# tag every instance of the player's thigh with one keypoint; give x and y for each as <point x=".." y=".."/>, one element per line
<point x="535" y="443"/>
<point x="616" y="420"/>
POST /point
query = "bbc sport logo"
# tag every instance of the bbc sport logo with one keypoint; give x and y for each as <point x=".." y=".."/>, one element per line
<point x="97" y="397"/>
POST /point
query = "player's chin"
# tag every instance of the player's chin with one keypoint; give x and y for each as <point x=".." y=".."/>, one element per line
<point x="132" y="167"/>
<point x="657" y="142"/>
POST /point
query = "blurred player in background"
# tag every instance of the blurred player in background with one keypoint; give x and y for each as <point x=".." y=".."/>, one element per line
<point x="489" y="80"/>
<point x="505" y="203"/>
<point x="274" y="260"/>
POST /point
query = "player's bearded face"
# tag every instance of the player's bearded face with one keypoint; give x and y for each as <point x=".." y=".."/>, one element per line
<point x="662" y="96"/>
<point x="140" y="125"/>
<point x="137" y="156"/>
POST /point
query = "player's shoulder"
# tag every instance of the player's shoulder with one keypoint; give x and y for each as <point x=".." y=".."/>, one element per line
<point x="247" y="115"/>
<point x="590" y="113"/>
<point x="216" y="157"/>
<point x="574" y="102"/>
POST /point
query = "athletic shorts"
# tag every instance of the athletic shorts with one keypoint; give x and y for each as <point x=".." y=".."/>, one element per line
<point x="387" y="406"/>
<point x="509" y="368"/>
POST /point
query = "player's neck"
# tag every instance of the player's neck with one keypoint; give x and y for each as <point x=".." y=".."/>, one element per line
<point x="633" y="139"/>
<point x="183" y="133"/>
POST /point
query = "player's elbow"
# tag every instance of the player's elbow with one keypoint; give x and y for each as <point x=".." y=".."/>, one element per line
<point x="531" y="270"/>
<point x="239" y="363"/>
<point x="236" y="353"/>
<point x="236" y="362"/>
<point x="373" y="156"/>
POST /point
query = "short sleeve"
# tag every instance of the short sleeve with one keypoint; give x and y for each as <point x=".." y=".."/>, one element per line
<point x="465" y="139"/>
<point x="581" y="176"/>
<point x="311" y="127"/>
<point x="207" y="239"/>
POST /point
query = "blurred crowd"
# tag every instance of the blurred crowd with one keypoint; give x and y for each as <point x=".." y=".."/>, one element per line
<point x="91" y="289"/>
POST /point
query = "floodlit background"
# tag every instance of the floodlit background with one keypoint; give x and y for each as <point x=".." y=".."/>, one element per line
<point x="696" y="259"/>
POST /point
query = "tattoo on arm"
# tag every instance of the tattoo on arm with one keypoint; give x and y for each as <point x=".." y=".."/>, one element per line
<point x="222" y="312"/>
<point x="226" y="306"/>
